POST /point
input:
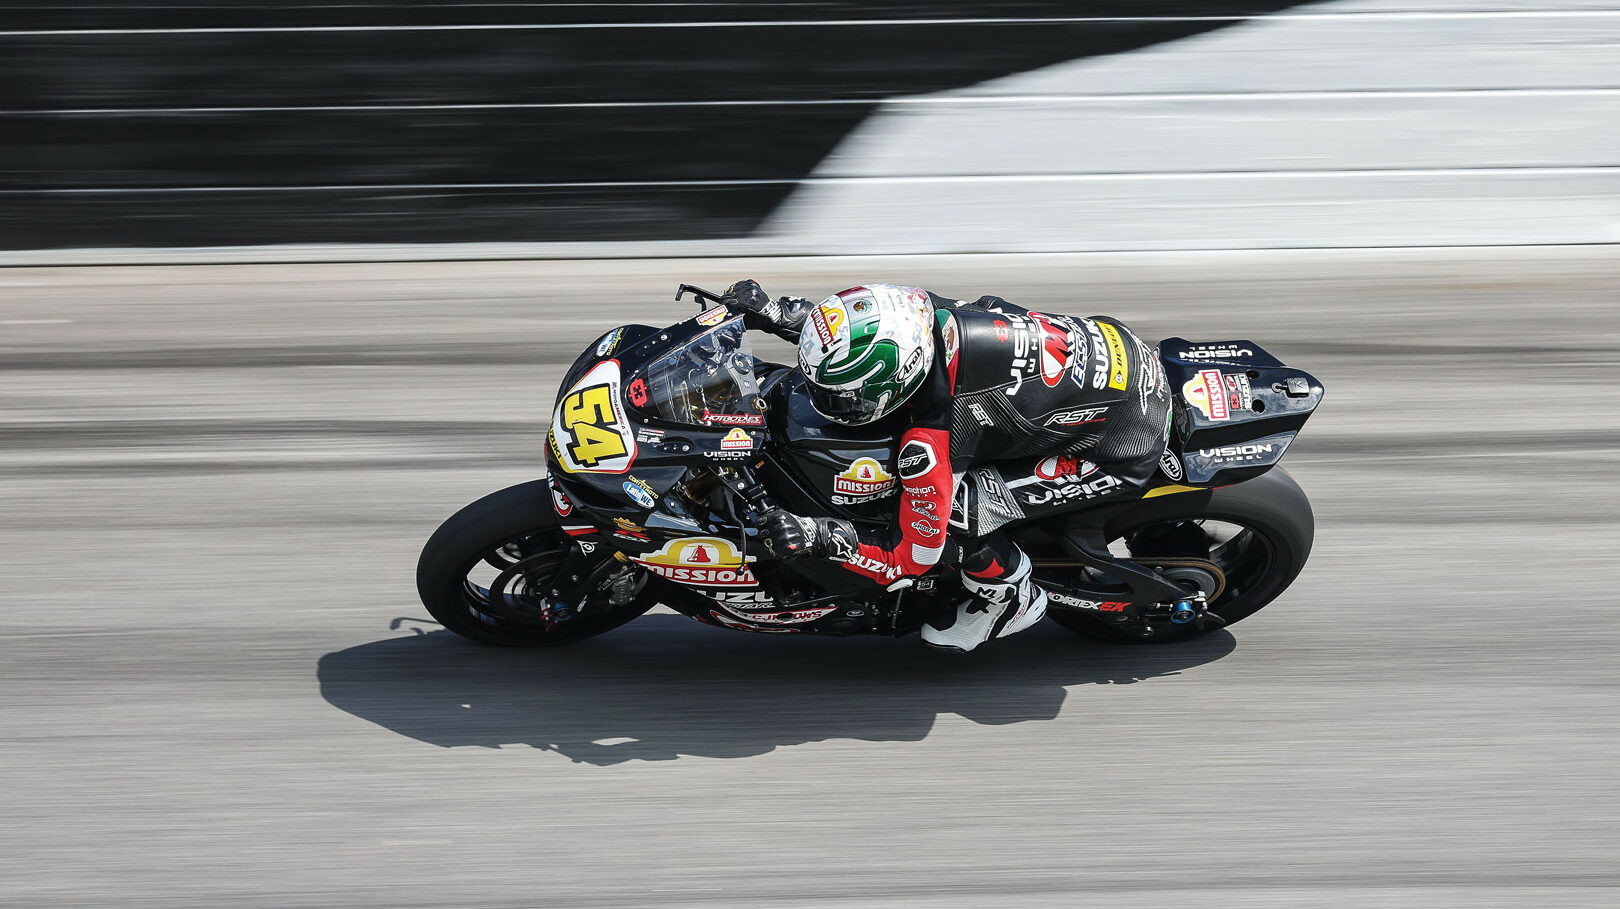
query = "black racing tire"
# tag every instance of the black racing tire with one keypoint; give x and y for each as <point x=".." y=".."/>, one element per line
<point x="521" y="512"/>
<point x="1271" y="506"/>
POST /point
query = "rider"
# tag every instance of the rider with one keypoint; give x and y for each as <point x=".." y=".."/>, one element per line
<point x="980" y="382"/>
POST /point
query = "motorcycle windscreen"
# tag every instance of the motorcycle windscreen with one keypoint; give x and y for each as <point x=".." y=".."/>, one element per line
<point x="708" y="380"/>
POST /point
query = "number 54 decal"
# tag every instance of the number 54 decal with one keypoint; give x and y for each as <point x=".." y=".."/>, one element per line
<point x="589" y="432"/>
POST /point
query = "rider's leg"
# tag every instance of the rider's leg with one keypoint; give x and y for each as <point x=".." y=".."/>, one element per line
<point x="1003" y="598"/>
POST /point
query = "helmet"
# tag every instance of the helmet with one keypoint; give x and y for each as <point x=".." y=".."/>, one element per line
<point x="866" y="350"/>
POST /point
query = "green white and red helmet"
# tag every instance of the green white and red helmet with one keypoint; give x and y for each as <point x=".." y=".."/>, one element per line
<point x="866" y="350"/>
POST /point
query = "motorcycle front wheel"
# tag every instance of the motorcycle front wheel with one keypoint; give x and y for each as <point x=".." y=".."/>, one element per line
<point x="1256" y="535"/>
<point x="484" y="572"/>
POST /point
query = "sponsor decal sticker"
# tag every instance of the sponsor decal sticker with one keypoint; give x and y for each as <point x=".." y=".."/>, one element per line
<point x="609" y="342"/>
<point x="638" y="393"/>
<point x="1064" y="467"/>
<point x="1206" y="392"/>
<point x="1238" y="453"/>
<point x="916" y="459"/>
<point x="1023" y="360"/>
<point x="701" y="562"/>
<point x="1001" y="331"/>
<point x="1152" y="382"/>
<point x="589" y="431"/>
<point x="826" y="320"/>
<point x="1214" y="352"/>
<point x="640" y="493"/>
<point x="1099" y="359"/>
<point x="953" y="341"/>
<point x="864" y="479"/>
<point x="1057" y="349"/>
<point x="1077" y="417"/>
<point x="1171" y="465"/>
<point x="1070" y="491"/>
<point x="737" y="440"/>
<point x="627" y="525"/>
<point x="774" y="617"/>
<point x="734" y="419"/>
<point x="1098" y="605"/>
<point x="730" y="621"/>
<point x="713" y="317"/>
<point x="1119" y="363"/>
<point x="559" y="499"/>
<point x="977" y="410"/>
<point x="742" y="597"/>
<point x="1217" y="395"/>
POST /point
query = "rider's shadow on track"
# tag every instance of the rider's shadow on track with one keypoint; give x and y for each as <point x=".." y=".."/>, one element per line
<point x="665" y="686"/>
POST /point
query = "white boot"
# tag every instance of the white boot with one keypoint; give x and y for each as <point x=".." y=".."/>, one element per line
<point x="997" y="608"/>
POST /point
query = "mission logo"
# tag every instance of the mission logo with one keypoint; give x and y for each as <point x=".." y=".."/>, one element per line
<point x="864" y="479"/>
<point x="701" y="561"/>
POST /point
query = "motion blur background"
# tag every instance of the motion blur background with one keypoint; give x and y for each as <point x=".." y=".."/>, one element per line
<point x="286" y="284"/>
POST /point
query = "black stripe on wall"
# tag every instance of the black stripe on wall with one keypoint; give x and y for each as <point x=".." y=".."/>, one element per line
<point x="121" y="112"/>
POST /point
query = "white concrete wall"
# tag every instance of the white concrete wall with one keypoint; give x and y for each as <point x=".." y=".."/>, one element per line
<point x="1354" y="123"/>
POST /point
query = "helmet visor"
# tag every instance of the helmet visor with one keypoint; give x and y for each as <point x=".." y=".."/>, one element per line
<point x="843" y="405"/>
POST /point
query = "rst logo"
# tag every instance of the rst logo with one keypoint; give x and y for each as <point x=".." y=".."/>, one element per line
<point x="1077" y="417"/>
<point x="916" y="460"/>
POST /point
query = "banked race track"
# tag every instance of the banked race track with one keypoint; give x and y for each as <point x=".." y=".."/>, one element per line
<point x="218" y="688"/>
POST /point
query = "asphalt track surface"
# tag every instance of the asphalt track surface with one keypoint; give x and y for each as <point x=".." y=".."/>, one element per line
<point x="218" y="687"/>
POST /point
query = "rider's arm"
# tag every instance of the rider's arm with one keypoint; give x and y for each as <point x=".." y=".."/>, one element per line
<point x="783" y="317"/>
<point x="927" y="481"/>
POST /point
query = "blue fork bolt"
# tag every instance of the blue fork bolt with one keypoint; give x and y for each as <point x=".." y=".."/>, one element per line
<point x="1182" y="613"/>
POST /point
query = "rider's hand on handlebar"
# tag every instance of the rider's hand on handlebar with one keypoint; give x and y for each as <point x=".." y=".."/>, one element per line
<point x="786" y="535"/>
<point x="748" y="296"/>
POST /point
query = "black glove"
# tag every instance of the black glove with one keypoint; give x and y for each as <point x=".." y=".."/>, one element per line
<point x="788" y="536"/>
<point x="749" y="296"/>
<point x="782" y="318"/>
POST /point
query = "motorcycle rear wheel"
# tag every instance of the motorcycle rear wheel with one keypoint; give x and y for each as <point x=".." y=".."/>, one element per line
<point x="1276" y="529"/>
<point x="514" y="535"/>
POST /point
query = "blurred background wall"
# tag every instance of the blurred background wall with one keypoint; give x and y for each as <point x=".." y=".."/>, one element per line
<point x="925" y="126"/>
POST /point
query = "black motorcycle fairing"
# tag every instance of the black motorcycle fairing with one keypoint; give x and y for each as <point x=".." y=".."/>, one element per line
<point x="846" y="471"/>
<point x="1235" y="409"/>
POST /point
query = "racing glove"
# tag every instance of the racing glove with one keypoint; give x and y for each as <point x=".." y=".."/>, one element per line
<point x="788" y="536"/>
<point x="783" y="317"/>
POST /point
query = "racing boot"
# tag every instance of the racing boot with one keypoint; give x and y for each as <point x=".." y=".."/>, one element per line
<point x="1005" y="600"/>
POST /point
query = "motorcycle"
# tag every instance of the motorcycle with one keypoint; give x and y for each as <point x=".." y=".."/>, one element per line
<point x="667" y="445"/>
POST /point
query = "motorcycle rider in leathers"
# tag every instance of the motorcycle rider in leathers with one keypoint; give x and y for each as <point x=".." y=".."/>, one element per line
<point x="1009" y="415"/>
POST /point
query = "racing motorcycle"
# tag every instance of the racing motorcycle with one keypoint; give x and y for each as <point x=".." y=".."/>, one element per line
<point x="667" y="444"/>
